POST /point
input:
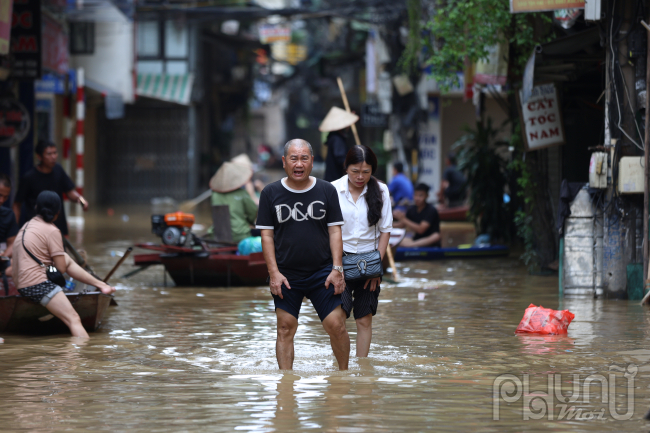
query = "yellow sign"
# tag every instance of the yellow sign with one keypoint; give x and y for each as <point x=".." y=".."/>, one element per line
<point x="290" y="53"/>
<point x="517" y="6"/>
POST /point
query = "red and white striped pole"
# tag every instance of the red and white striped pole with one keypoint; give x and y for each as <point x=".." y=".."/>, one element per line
<point x="81" y="116"/>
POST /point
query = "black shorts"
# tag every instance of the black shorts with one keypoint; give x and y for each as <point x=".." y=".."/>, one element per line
<point x="361" y="301"/>
<point x="40" y="293"/>
<point x="313" y="288"/>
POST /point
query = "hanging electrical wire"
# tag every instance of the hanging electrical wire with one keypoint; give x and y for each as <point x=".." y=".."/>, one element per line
<point x="613" y="81"/>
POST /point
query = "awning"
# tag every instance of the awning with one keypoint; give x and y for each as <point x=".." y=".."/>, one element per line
<point x="170" y="88"/>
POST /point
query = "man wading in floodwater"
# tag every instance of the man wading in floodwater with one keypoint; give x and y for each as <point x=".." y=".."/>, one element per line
<point x="300" y="219"/>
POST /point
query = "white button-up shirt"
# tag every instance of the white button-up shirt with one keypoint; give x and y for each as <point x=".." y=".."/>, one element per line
<point x="357" y="236"/>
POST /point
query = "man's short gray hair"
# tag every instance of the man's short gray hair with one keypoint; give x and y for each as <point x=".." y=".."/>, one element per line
<point x="297" y="142"/>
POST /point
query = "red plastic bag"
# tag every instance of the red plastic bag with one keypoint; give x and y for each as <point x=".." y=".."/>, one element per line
<point x="540" y="320"/>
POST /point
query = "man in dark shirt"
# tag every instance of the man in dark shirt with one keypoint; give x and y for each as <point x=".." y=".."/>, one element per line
<point x="300" y="219"/>
<point x="8" y="226"/>
<point x="46" y="176"/>
<point x="454" y="185"/>
<point x="421" y="218"/>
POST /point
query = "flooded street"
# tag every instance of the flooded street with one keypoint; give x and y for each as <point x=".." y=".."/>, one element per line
<point x="203" y="359"/>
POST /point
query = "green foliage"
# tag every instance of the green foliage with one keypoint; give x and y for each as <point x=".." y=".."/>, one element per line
<point x="463" y="30"/>
<point x="478" y="157"/>
<point x="523" y="219"/>
<point x="410" y="59"/>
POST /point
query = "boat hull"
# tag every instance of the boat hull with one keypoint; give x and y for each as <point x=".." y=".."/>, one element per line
<point x="215" y="270"/>
<point x="19" y="315"/>
<point x="453" y="213"/>
<point x="403" y="254"/>
<point x="218" y="267"/>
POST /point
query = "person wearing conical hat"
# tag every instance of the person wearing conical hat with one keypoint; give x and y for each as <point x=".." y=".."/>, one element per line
<point x="336" y="123"/>
<point x="226" y="186"/>
<point x="252" y="187"/>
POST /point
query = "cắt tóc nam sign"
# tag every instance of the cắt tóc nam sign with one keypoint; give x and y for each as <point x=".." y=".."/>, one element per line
<point x="541" y="118"/>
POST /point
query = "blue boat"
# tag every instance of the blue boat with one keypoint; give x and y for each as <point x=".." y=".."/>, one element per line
<point x="433" y="253"/>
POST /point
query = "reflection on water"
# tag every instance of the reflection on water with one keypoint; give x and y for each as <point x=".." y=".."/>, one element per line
<point x="191" y="359"/>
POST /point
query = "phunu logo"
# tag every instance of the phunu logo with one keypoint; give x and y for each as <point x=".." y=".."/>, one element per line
<point x="297" y="214"/>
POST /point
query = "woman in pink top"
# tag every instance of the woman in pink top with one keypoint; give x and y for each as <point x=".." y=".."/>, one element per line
<point x="40" y="237"/>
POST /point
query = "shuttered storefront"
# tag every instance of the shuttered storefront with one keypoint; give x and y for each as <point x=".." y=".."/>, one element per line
<point x="144" y="154"/>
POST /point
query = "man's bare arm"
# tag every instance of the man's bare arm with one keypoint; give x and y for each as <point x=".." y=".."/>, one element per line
<point x="336" y="247"/>
<point x="75" y="197"/>
<point x="16" y="209"/>
<point x="420" y="228"/>
<point x="276" y="279"/>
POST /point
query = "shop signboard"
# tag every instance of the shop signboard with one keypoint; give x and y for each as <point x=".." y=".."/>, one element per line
<point x="429" y="147"/>
<point x="6" y="7"/>
<point x="274" y="33"/>
<point x="51" y="83"/>
<point x="517" y="6"/>
<point x="14" y="122"/>
<point x="541" y="117"/>
<point x="372" y="117"/>
<point x="25" y="46"/>
<point x="494" y="69"/>
<point x="55" y="47"/>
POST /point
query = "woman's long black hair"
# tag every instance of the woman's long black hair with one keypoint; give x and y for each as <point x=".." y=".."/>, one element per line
<point x="48" y="205"/>
<point x="359" y="154"/>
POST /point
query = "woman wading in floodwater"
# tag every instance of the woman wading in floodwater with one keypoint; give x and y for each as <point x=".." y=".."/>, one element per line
<point x="40" y="237"/>
<point x="365" y="204"/>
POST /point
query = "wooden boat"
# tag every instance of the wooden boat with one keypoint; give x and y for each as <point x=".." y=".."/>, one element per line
<point x="432" y="253"/>
<point x="453" y="213"/>
<point x="19" y="315"/>
<point x="212" y="267"/>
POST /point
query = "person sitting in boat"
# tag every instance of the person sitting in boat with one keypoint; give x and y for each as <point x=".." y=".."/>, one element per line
<point x="227" y="190"/>
<point x="40" y="237"/>
<point x="453" y="189"/>
<point x="365" y="205"/>
<point x="421" y="218"/>
<point x="400" y="187"/>
<point x="8" y="225"/>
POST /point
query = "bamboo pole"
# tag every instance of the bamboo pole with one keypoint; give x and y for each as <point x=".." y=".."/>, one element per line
<point x="389" y="252"/>
<point x="347" y="108"/>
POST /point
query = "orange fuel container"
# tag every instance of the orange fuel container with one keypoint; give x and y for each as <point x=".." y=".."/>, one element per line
<point x="179" y="219"/>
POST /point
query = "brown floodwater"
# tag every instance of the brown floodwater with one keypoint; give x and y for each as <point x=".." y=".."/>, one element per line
<point x="203" y="359"/>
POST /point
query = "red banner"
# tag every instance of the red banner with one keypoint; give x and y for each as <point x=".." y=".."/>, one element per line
<point x="56" y="57"/>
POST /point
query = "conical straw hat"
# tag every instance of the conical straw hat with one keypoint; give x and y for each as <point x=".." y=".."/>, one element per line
<point x="337" y="119"/>
<point x="243" y="159"/>
<point x="230" y="177"/>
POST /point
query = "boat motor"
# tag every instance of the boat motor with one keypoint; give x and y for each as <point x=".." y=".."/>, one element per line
<point x="174" y="228"/>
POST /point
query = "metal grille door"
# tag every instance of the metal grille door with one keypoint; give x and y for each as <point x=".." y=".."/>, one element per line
<point x="143" y="155"/>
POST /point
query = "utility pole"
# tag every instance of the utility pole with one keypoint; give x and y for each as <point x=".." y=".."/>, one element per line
<point x="646" y="193"/>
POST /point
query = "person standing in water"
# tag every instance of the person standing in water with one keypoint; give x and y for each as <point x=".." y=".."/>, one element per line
<point x="300" y="220"/>
<point x="366" y="208"/>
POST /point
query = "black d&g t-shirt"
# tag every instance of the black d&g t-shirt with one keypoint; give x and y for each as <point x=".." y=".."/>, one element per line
<point x="299" y="220"/>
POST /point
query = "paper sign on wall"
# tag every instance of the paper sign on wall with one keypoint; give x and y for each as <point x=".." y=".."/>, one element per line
<point x="541" y="117"/>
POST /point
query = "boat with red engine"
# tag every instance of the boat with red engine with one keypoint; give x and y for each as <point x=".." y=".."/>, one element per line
<point x="210" y="267"/>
